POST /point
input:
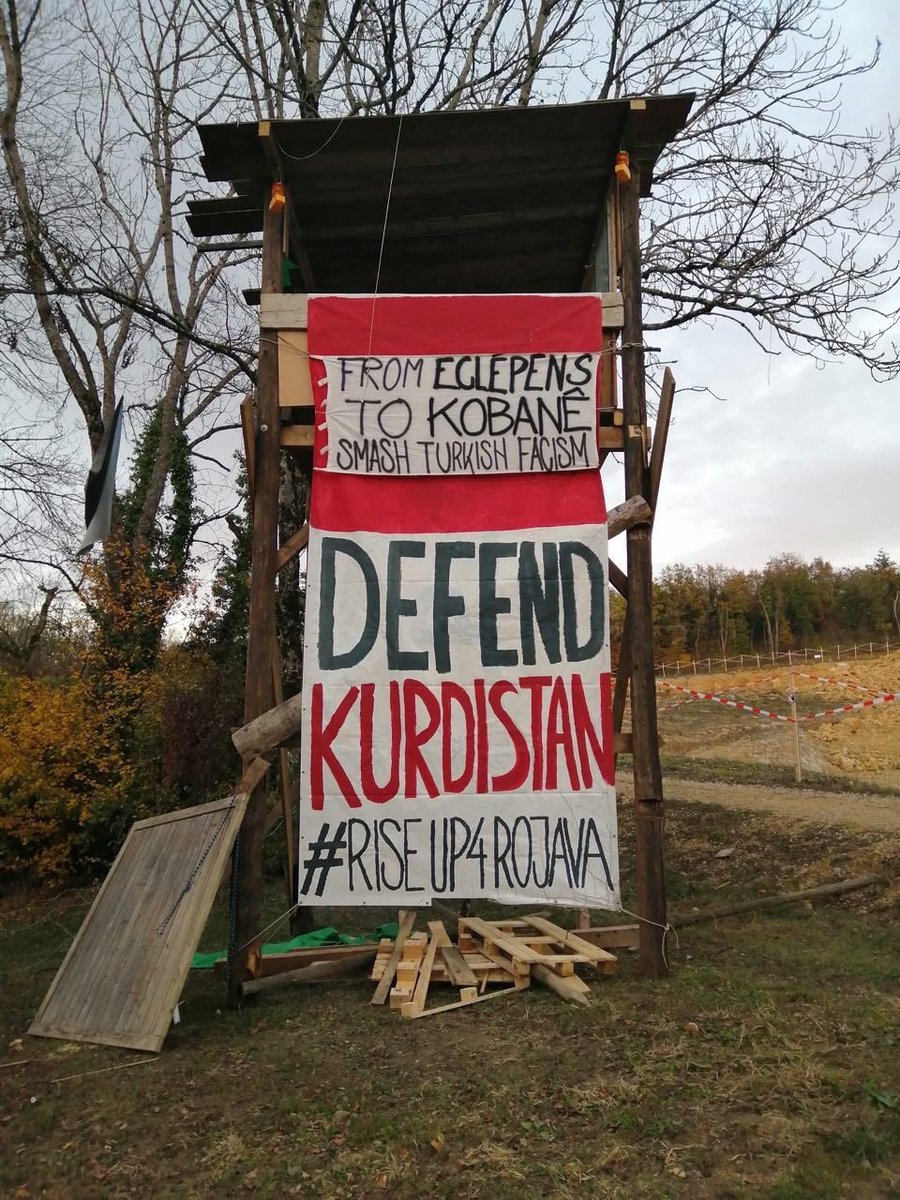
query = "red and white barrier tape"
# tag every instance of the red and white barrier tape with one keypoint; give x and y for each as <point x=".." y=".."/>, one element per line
<point x="882" y="698"/>
<point x="845" y="683"/>
<point x="756" y="711"/>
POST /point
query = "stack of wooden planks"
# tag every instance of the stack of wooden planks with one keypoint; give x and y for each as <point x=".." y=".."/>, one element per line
<point x="510" y="953"/>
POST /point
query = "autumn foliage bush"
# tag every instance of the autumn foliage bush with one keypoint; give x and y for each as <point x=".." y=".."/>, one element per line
<point x="133" y="728"/>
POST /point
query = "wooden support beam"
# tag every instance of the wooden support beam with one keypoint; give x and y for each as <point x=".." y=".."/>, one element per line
<point x="248" y="431"/>
<point x="622" y="742"/>
<point x="272" y="728"/>
<point x="635" y="511"/>
<point x="661" y="435"/>
<point x="650" y="862"/>
<point x="296" y="542"/>
<point x="258" y="691"/>
<point x="814" y="893"/>
<point x="618" y="578"/>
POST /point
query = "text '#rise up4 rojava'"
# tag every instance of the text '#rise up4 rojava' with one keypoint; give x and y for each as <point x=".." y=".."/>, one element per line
<point x="457" y="727"/>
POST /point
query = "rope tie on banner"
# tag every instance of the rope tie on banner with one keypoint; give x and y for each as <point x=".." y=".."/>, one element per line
<point x="257" y="936"/>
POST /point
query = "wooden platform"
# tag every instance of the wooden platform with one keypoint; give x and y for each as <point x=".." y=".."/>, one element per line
<point x="126" y="968"/>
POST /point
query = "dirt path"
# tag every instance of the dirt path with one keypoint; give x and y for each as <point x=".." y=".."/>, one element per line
<point x="879" y="813"/>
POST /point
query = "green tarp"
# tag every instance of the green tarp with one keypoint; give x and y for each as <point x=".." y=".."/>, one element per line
<point x="305" y="941"/>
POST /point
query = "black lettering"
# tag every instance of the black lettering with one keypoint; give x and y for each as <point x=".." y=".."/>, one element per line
<point x="583" y="366"/>
<point x="404" y="411"/>
<point x="539" y="600"/>
<point x="500" y="856"/>
<point x="593" y="848"/>
<point x="398" y="857"/>
<point x="490" y="605"/>
<point x="445" y="604"/>
<point x="328" y="659"/>
<point x="439" y="365"/>
<point x="409" y="853"/>
<point x="354" y="855"/>
<point x="568" y="552"/>
<point x="434" y="414"/>
<point x="396" y="606"/>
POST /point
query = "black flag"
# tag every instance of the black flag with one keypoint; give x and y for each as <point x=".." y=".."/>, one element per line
<point x="101" y="484"/>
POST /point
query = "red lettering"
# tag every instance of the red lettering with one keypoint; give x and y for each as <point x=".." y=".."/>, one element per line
<point x="414" y="760"/>
<point x="586" y="731"/>
<point x="320" y="751"/>
<point x="370" y="789"/>
<point x="481" y="736"/>
<point x="536" y="685"/>
<point x="454" y="693"/>
<point x="518" y="772"/>
<point x="559" y="733"/>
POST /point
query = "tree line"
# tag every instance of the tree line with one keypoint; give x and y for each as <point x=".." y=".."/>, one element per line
<point x="718" y="612"/>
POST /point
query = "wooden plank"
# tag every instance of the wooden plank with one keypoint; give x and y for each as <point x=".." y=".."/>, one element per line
<point x="298" y="436"/>
<point x="570" y="987"/>
<point x="127" y="965"/>
<point x="408" y="970"/>
<point x="423" y="982"/>
<point x="314" y="972"/>
<point x="294" y="379"/>
<point x="458" y="971"/>
<point x="284" y="311"/>
<point x="489" y="932"/>
<point x="611" y="936"/>
<point x="294" y="960"/>
<point x="574" y="940"/>
<point x="444" y="1008"/>
<point x="291" y="311"/>
<point x="381" y="992"/>
<point x="248" y="432"/>
<point x="661" y="435"/>
<point x="611" y="437"/>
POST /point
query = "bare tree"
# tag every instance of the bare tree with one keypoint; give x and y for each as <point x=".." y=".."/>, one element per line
<point x="105" y="296"/>
<point x="767" y="212"/>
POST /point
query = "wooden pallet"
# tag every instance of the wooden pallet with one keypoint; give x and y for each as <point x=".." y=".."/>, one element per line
<point x="508" y="952"/>
<point x="520" y="943"/>
<point x="483" y="969"/>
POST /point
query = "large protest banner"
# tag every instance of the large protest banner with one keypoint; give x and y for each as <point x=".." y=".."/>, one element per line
<point x="457" y="728"/>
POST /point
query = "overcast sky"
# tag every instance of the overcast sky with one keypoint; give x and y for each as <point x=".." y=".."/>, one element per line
<point x="797" y="457"/>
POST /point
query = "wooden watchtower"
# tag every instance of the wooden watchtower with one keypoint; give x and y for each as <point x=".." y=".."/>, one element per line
<point x="506" y="200"/>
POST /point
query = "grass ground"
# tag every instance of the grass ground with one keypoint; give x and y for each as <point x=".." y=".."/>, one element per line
<point x="767" y="1065"/>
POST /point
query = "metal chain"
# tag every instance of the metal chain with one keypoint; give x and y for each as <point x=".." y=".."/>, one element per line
<point x="192" y="878"/>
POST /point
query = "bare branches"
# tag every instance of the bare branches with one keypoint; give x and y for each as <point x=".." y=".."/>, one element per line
<point x="104" y="292"/>
<point x="766" y="210"/>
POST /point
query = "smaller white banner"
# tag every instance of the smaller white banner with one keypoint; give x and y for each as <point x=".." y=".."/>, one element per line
<point x="461" y="414"/>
